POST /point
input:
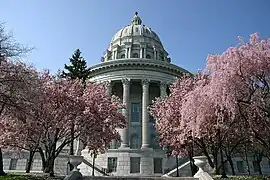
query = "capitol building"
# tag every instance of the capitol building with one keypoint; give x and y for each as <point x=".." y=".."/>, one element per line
<point x="137" y="69"/>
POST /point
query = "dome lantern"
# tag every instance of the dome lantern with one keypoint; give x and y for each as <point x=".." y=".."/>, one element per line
<point x="136" y="20"/>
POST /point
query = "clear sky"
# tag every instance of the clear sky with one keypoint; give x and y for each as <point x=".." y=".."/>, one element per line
<point x="188" y="29"/>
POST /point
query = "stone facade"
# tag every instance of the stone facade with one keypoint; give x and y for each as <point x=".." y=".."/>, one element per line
<point x="17" y="162"/>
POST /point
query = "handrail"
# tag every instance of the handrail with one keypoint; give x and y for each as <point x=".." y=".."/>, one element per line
<point x="85" y="161"/>
<point x="175" y="169"/>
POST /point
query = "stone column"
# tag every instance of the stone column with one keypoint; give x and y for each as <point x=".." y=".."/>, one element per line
<point x="145" y="115"/>
<point x="163" y="89"/>
<point x="141" y="52"/>
<point x="112" y="55"/>
<point x="116" y="54"/>
<point x="109" y="87"/>
<point x="144" y="52"/>
<point x="129" y="52"/>
<point x="124" y="133"/>
<point x="155" y="54"/>
<point x="126" y="53"/>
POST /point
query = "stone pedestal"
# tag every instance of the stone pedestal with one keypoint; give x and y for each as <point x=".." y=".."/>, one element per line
<point x="201" y="161"/>
<point x="75" y="174"/>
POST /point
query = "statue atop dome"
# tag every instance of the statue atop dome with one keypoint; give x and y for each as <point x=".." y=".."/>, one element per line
<point x="136" y="20"/>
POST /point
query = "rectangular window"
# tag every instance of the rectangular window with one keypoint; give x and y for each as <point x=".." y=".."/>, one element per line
<point x="112" y="164"/>
<point x="135" y="164"/>
<point x="158" y="165"/>
<point x="255" y="166"/>
<point x="240" y="166"/>
<point x="13" y="164"/>
<point x="135" y="112"/>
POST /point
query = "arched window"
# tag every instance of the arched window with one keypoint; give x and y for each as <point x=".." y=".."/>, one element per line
<point x="122" y="56"/>
<point x="134" y="141"/>
<point x="135" y="55"/>
<point x="148" y="56"/>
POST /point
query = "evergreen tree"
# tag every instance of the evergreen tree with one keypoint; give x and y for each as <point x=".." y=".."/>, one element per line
<point x="77" y="67"/>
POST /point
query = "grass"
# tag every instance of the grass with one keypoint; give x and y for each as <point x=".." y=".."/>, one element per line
<point x="27" y="177"/>
<point x="245" y="178"/>
<point x="43" y="177"/>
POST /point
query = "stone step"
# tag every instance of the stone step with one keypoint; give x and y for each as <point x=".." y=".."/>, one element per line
<point x="137" y="178"/>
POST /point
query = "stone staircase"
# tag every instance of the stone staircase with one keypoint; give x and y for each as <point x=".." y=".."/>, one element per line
<point x="183" y="169"/>
<point x="88" y="166"/>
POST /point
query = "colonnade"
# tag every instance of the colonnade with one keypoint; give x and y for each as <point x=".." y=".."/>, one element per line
<point x="124" y="133"/>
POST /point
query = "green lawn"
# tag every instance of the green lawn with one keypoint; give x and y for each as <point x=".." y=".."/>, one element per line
<point x="27" y="177"/>
<point x="245" y="178"/>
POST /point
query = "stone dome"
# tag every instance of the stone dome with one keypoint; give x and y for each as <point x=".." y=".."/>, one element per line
<point x="136" y="40"/>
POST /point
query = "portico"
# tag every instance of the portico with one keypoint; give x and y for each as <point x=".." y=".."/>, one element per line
<point x="145" y="98"/>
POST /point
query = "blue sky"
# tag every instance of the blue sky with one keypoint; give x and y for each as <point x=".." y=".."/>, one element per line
<point x="189" y="29"/>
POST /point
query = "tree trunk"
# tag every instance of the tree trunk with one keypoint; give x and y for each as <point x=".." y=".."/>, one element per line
<point x="71" y="146"/>
<point x="223" y="175"/>
<point x="259" y="166"/>
<point x="30" y="161"/>
<point x="246" y="158"/>
<point x="49" y="166"/>
<point x="42" y="158"/>
<point x="211" y="163"/>
<point x="193" y="167"/>
<point x="51" y="155"/>
<point x="2" y="173"/>
<point x="217" y="169"/>
<point x="202" y="145"/>
<point x="229" y="158"/>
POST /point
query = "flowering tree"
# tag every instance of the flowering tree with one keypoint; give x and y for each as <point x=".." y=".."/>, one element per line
<point x="241" y="77"/>
<point x="175" y="131"/>
<point x="230" y="98"/>
<point x="12" y="75"/>
<point x="19" y="86"/>
<point x="61" y="104"/>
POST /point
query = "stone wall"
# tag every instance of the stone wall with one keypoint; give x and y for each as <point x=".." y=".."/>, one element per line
<point x="60" y="167"/>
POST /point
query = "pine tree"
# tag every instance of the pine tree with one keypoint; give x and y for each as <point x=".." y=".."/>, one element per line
<point x="77" y="68"/>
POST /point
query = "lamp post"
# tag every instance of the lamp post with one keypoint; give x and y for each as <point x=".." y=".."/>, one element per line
<point x="177" y="166"/>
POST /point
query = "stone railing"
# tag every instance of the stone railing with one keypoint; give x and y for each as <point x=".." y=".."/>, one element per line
<point x="173" y="172"/>
<point x="199" y="161"/>
<point x="103" y="171"/>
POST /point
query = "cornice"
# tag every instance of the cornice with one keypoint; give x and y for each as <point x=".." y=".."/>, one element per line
<point x="137" y="64"/>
